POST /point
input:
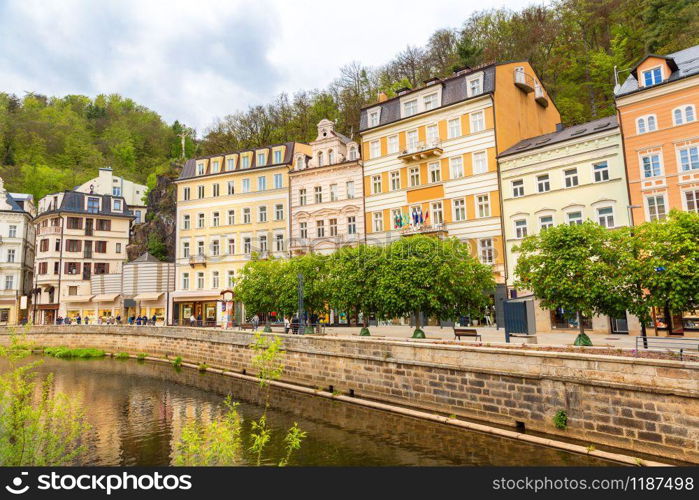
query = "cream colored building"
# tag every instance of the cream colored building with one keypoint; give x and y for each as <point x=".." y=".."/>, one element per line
<point x="113" y="185"/>
<point x="229" y="206"/>
<point x="326" y="194"/>
<point x="16" y="255"/>
<point x="78" y="235"/>
<point x="565" y="177"/>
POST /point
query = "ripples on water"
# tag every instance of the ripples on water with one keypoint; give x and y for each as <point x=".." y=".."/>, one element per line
<point x="138" y="409"/>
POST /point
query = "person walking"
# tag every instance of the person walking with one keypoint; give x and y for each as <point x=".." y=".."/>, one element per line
<point x="192" y="320"/>
<point x="78" y="319"/>
<point x="287" y="324"/>
<point x="255" y="322"/>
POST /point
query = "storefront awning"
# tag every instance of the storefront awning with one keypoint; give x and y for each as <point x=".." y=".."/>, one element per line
<point x="204" y="295"/>
<point x="106" y="297"/>
<point x="148" y="296"/>
<point x="78" y="298"/>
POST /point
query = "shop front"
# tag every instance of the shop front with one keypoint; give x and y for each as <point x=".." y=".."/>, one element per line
<point x="151" y="304"/>
<point x="205" y="310"/>
<point x="78" y="306"/>
<point x="46" y="314"/>
<point x="106" y="307"/>
<point x="668" y="322"/>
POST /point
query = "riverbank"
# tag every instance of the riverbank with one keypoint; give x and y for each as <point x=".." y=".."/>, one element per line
<point x="638" y="405"/>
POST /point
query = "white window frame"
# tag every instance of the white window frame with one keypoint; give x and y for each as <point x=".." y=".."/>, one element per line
<point x="454" y="131"/>
<point x="278" y="181"/>
<point x="477" y="118"/>
<point x="543" y="180"/>
<point x="606" y="217"/>
<point x="374" y="149"/>
<point x="246" y="185"/>
<point x="279" y="211"/>
<point x="486" y="253"/>
<point x="575" y="176"/>
<point x="477" y="156"/>
<point x="683" y="114"/>
<point x="413" y="179"/>
<point x="522" y="231"/>
<point x="376" y="184"/>
<point x="434" y="170"/>
<point x="456" y="166"/>
<point x="432" y="133"/>
<point x="404" y="108"/>
<point x="394" y="180"/>
<point x="517" y="188"/>
<point x="646" y="204"/>
<point x="482" y="206"/>
<point x="604" y="172"/>
<point x="694" y="192"/>
<point x="542" y="225"/>
<point x="660" y="163"/>
<point x="430" y="101"/>
<point x="459" y="209"/>
<point x="470" y="80"/>
<point x="575" y="221"/>
<point x="377" y="222"/>
<point x="262" y="183"/>
<point x="437" y="209"/>
<point x="392" y="143"/>
<point x="687" y="147"/>
<point x="652" y="72"/>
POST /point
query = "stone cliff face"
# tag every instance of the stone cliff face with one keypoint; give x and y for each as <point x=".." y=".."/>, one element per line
<point x="157" y="234"/>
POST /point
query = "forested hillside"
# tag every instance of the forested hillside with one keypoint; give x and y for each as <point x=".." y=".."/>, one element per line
<point x="51" y="143"/>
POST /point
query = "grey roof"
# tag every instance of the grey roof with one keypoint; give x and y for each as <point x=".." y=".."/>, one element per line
<point x="189" y="169"/>
<point x="15" y="207"/>
<point x="686" y="61"/>
<point x="453" y="90"/>
<point x="74" y="201"/>
<point x="146" y="257"/>
<point x="567" y="133"/>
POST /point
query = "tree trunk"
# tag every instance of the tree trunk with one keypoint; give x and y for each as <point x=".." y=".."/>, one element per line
<point x="580" y="323"/>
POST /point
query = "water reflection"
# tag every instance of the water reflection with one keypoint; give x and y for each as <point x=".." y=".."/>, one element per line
<point x="138" y="411"/>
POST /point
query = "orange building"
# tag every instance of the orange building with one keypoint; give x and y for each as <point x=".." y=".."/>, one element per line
<point x="657" y="107"/>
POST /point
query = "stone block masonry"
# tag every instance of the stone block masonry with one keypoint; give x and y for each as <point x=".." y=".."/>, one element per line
<point x="641" y="405"/>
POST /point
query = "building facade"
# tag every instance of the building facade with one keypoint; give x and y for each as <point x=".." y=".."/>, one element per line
<point x="78" y="235"/>
<point x="326" y="194"/>
<point x="566" y="177"/>
<point x="229" y="207"/>
<point x="657" y="109"/>
<point x="113" y="185"/>
<point x="429" y="155"/>
<point x="16" y="255"/>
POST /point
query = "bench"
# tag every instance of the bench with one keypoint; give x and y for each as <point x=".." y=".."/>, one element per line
<point x="245" y="326"/>
<point x="526" y="338"/>
<point x="466" y="332"/>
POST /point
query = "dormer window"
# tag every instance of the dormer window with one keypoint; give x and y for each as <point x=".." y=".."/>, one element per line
<point x="299" y="163"/>
<point x="93" y="205"/>
<point x="277" y="156"/>
<point x="320" y="158"/>
<point x="474" y="85"/>
<point x="214" y="167"/>
<point x="260" y="159"/>
<point x="352" y="153"/>
<point x="245" y="162"/>
<point x="373" y="118"/>
<point x="200" y="169"/>
<point x="652" y="76"/>
<point x="230" y="164"/>
<point x="409" y="108"/>
<point x="116" y="206"/>
<point x="430" y="101"/>
<point x="331" y="157"/>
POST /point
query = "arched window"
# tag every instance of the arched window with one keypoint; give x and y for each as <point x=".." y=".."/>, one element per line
<point x="299" y="163"/>
<point x="331" y="157"/>
<point x="320" y="158"/>
<point x="641" y="126"/>
<point x="651" y="123"/>
<point x="678" y="117"/>
<point x="353" y="153"/>
<point x="689" y="113"/>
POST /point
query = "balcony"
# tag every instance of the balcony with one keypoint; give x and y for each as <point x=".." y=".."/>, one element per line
<point x="421" y="151"/>
<point x="424" y="229"/>
<point x="197" y="259"/>
<point x="540" y="95"/>
<point x="524" y="81"/>
<point x="89" y="231"/>
<point x="87" y="254"/>
<point x="50" y="230"/>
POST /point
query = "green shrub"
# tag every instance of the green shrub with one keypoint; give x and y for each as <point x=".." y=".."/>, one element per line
<point x="419" y="334"/>
<point x="122" y="355"/>
<point x="560" y="420"/>
<point x="203" y="367"/>
<point x="65" y="352"/>
<point x="364" y="332"/>
<point x="267" y="329"/>
<point x="141" y="356"/>
<point x="583" y="340"/>
<point x="177" y="362"/>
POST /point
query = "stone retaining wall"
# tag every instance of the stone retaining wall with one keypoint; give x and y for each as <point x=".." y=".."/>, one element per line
<point x="643" y="405"/>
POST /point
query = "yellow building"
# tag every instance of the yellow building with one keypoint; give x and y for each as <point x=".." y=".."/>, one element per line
<point x="430" y="155"/>
<point x="228" y="206"/>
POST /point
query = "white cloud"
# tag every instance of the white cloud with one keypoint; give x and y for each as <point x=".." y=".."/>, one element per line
<point x="195" y="61"/>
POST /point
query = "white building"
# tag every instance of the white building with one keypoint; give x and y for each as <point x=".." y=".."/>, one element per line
<point x="113" y="185"/>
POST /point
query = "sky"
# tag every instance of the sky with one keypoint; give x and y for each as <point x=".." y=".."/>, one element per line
<point x="198" y="60"/>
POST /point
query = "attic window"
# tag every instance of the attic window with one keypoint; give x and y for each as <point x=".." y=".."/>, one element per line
<point x="522" y="146"/>
<point x="578" y="132"/>
<point x="652" y="76"/>
<point x="601" y="125"/>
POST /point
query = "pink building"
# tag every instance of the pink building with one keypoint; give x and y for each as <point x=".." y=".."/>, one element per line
<point x="326" y="194"/>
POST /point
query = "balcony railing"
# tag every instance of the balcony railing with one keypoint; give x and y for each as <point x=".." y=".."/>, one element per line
<point x="540" y="95"/>
<point x="197" y="259"/>
<point x="89" y="231"/>
<point x="524" y="81"/>
<point x="50" y="230"/>
<point x="421" y="150"/>
<point x="423" y="229"/>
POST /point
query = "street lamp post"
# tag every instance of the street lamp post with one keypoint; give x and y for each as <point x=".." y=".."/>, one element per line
<point x="631" y="225"/>
<point x="300" y="304"/>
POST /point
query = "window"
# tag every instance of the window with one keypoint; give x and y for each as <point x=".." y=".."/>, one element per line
<point x="477" y="122"/>
<point x="414" y="176"/>
<point x="300" y="163"/>
<point x="185" y="193"/>
<point x="376" y="184"/>
<point x="71" y="268"/>
<point x="373" y="118"/>
<point x="231" y="279"/>
<point x="437" y="213"/>
<point x="57" y="246"/>
<point x="200" y="247"/>
<point x="652" y="77"/>
<point x="118" y="248"/>
<point x="683" y="114"/>
<point x="303" y="230"/>
<point x="545" y="222"/>
<point x="231" y="187"/>
<point x="520" y="229"/>
<point x="230" y="164"/>
<point x="480" y="162"/>
<point x="214" y="279"/>
<point x="217" y="190"/>
<point x="395" y="180"/>
<point x="101" y="268"/>
<point x="332" y="224"/>
<point x="430" y="101"/>
<point x="412" y="140"/>
<point x="571" y="177"/>
<point x="200" y="191"/>
<point x="692" y="200"/>
<point x="396" y="217"/>
<point x="74" y="245"/>
<point x="74" y="223"/>
<point x="214" y="167"/>
<point x="378" y="221"/>
<point x="245" y="162"/>
<point x="279" y="242"/>
<point x="231" y="217"/>
<point x="320" y="158"/>
<point x="350" y="189"/>
<point x="263" y="243"/>
<point x="409" y="108"/>
<point x="392" y="144"/>
<point x="543" y="183"/>
<point x="689" y="158"/>
<point x="215" y="247"/>
<point x="215" y="219"/>
<point x="333" y="192"/>
<point x="456" y="167"/>
<point x="12" y="232"/>
<point x="374" y="149"/>
<point x="200" y="220"/>
<point x="352" y="155"/>
<point x="459" y="210"/>
<point x="318" y="194"/>
<point x="103" y="224"/>
<point x="72" y="290"/>
<point x="517" y="188"/>
<point x="261" y="159"/>
<point x="474" y="86"/>
<point x="601" y="171"/>
<point x="185" y="281"/>
<point x="116" y="190"/>
<point x="116" y="205"/>
<point x="100" y="247"/>
<point x="656" y="207"/>
<point x="262" y="214"/>
<point x="200" y="281"/>
<point x="320" y="229"/>
<point x="454" y="128"/>
<point x="435" y="172"/>
<point x="44" y="267"/>
<point x="331" y="157"/>
<point x="646" y="124"/>
<point x="246" y="216"/>
<point x="605" y="217"/>
<point x="262" y="183"/>
<point x="278" y="181"/>
<point x="302" y="197"/>
<point x="574" y="218"/>
<point x="246" y="185"/>
<point x="651" y="165"/>
<point x="11" y="255"/>
<point x="279" y="212"/>
<point x="483" y="205"/>
<point x="432" y="134"/>
<point x="185" y="249"/>
<point x="93" y="205"/>
<point x="247" y="246"/>
<point x="352" y="225"/>
<point x="486" y="252"/>
<point x="200" y="169"/>
<point x="231" y="246"/>
<point x="277" y="156"/>
<point x="137" y="220"/>
<point x="185" y="221"/>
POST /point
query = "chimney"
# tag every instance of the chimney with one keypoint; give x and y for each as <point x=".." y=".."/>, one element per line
<point x="382" y="97"/>
<point x="402" y="90"/>
<point x="461" y="70"/>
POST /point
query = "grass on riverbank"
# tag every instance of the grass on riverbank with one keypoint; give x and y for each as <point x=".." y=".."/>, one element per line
<point x="67" y="353"/>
